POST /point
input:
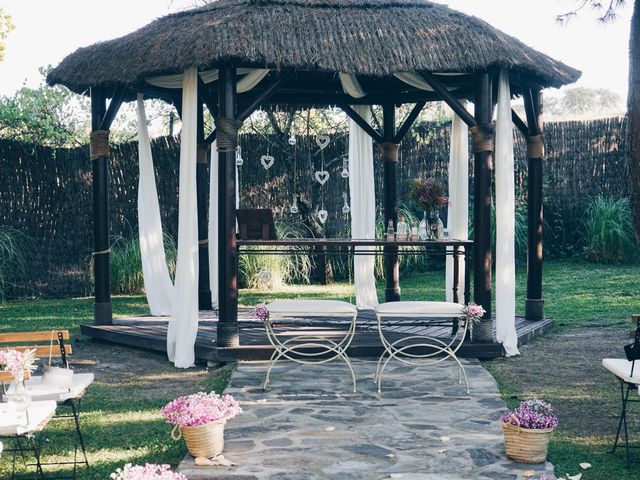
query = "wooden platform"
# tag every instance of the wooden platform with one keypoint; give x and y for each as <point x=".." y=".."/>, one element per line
<point x="151" y="332"/>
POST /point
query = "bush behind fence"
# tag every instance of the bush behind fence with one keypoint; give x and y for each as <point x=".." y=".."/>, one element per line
<point x="46" y="193"/>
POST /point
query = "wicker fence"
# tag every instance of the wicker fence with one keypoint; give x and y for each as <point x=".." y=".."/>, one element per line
<point x="46" y="193"/>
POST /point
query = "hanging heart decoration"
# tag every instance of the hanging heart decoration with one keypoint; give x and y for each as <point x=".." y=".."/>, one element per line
<point x="267" y="161"/>
<point x="322" y="216"/>
<point x="322" y="176"/>
<point x="322" y="141"/>
<point x="264" y="278"/>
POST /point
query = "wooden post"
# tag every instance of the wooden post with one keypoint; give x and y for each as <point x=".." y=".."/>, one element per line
<point x="228" y="334"/>
<point x="390" y="192"/>
<point x="102" y="310"/>
<point x="483" y="169"/>
<point x="534" y="304"/>
<point x="202" y="192"/>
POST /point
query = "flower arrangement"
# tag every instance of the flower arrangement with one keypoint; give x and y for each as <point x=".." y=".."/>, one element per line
<point x="473" y="313"/>
<point x="532" y="414"/>
<point x="261" y="312"/>
<point x="150" y="471"/>
<point x="16" y="361"/>
<point x="429" y="193"/>
<point x="200" y="408"/>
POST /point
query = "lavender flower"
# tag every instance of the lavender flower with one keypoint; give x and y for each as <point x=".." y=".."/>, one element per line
<point x="262" y="312"/>
<point x="532" y="414"/>
<point x="150" y="471"/>
<point x="200" y="408"/>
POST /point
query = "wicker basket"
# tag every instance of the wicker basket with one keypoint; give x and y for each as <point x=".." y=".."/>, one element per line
<point x="526" y="445"/>
<point x="202" y="440"/>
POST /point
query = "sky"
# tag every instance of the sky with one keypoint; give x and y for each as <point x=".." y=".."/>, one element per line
<point x="48" y="30"/>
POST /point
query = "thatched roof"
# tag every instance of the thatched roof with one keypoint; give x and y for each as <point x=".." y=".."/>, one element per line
<point x="369" y="38"/>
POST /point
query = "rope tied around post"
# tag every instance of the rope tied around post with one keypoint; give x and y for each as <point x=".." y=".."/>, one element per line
<point x="227" y="134"/>
<point x="535" y="146"/>
<point x="389" y="151"/>
<point x="483" y="137"/>
<point x="99" y="144"/>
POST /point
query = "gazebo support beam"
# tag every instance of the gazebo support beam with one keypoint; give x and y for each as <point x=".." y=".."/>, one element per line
<point x="450" y="100"/>
<point x="408" y="122"/>
<point x="100" y="123"/>
<point x="368" y="129"/>
<point x="202" y="191"/>
<point x="114" y="106"/>
<point x="534" y="305"/>
<point x="519" y="123"/>
<point x="482" y="199"/>
<point x="228" y="333"/>
<point x="390" y="201"/>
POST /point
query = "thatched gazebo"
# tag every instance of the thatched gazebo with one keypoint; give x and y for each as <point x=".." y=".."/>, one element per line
<point x="315" y="53"/>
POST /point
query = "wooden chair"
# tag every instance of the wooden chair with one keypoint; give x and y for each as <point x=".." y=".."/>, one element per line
<point x="627" y="372"/>
<point x="50" y="344"/>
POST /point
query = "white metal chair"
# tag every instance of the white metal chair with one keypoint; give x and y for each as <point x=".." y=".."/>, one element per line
<point x="310" y="344"/>
<point x="408" y="348"/>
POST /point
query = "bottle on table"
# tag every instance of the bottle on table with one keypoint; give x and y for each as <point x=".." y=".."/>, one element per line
<point x="391" y="234"/>
<point x="403" y="229"/>
<point x="414" y="231"/>
<point x="423" y="234"/>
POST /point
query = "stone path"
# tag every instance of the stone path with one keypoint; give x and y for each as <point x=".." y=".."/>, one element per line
<point x="309" y="426"/>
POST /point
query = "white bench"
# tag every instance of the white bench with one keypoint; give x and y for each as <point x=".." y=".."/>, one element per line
<point x="406" y="348"/>
<point x="326" y="343"/>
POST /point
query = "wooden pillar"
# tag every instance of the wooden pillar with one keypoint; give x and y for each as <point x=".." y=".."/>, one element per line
<point x="483" y="134"/>
<point x="390" y="192"/>
<point x="227" y="143"/>
<point x="102" y="310"/>
<point x="534" y="304"/>
<point x="202" y="192"/>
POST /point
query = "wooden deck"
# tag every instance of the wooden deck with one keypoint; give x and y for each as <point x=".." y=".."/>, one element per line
<point x="151" y="332"/>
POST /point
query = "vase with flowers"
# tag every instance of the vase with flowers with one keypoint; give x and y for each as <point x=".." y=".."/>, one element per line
<point x="527" y="431"/>
<point x="200" y="419"/>
<point x="429" y="195"/>
<point x="18" y="362"/>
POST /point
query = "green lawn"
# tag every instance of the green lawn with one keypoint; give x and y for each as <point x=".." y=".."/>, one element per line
<point x="122" y="420"/>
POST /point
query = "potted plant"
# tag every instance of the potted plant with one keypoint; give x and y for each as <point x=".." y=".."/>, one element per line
<point x="199" y="419"/>
<point x="150" y="471"/>
<point x="429" y="194"/>
<point x="527" y="431"/>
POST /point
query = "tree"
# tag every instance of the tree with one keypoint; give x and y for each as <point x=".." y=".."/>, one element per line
<point x="5" y="27"/>
<point x="582" y="102"/>
<point x="608" y="14"/>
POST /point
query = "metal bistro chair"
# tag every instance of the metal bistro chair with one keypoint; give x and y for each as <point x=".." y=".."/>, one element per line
<point x="310" y="344"/>
<point x="628" y="374"/>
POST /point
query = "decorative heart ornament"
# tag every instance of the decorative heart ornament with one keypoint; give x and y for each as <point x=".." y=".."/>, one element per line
<point x="266" y="161"/>
<point x="322" y="141"/>
<point x="322" y="176"/>
<point x="322" y="216"/>
<point x="264" y="278"/>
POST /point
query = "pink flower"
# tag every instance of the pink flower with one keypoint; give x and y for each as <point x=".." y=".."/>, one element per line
<point x="16" y="361"/>
<point x="473" y="312"/>
<point x="150" y="471"/>
<point x="261" y="312"/>
<point x="200" y="408"/>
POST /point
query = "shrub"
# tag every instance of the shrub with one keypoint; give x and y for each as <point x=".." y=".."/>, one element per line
<point x="608" y="233"/>
<point x="13" y="259"/>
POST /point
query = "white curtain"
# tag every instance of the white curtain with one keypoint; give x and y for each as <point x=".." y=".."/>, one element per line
<point x="363" y="207"/>
<point x="248" y="78"/>
<point x="505" y="222"/>
<point x="183" y="325"/>
<point x="458" y="213"/>
<point x="157" y="281"/>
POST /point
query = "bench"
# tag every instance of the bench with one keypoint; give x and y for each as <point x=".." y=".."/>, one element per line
<point x="51" y="344"/>
<point x="422" y="346"/>
<point x="310" y="344"/>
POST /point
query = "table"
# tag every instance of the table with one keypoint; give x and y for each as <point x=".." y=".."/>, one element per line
<point x="340" y="246"/>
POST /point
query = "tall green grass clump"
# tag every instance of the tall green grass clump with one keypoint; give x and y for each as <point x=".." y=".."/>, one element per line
<point x="13" y="259"/>
<point x="608" y="232"/>
<point x="126" y="263"/>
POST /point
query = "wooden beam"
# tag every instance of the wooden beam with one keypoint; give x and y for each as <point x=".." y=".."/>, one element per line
<point x="114" y="106"/>
<point x="519" y="123"/>
<point x="449" y="99"/>
<point x="390" y="203"/>
<point x="207" y="97"/>
<point x="408" y="123"/>
<point x="353" y="115"/>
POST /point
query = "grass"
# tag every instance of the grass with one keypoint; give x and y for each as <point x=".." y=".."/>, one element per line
<point x="121" y="410"/>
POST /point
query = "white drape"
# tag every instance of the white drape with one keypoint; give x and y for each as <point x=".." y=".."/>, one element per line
<point x="505" y="222"/>
<point x="183" y="325"/>
<point x="157" y="281"/>
<point x="351" y="86"/>
<point x="458" y="213"/>
<point x="249" y="78"/>
<point x="363" y="207"/>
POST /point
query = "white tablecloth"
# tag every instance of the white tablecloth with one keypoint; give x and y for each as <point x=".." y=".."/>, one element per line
<point x="52" y="392"/>
<point x="13" y="422"/>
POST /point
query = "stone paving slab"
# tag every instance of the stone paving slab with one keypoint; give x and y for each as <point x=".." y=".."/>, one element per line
<point x="309" y="425"/>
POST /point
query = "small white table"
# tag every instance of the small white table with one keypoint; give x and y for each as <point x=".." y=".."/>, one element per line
<point x="294" y="343"/>
<point x="26" y="423"/>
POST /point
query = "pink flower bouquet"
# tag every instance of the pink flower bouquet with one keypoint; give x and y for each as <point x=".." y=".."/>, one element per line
<point x="200" y="408"/>
<point x="532" y="414"/>
<point x="150" y="471"/>
<point x="473" y="312"/>
<point x="17" y="362"/>
<point x="261" y="312"/>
